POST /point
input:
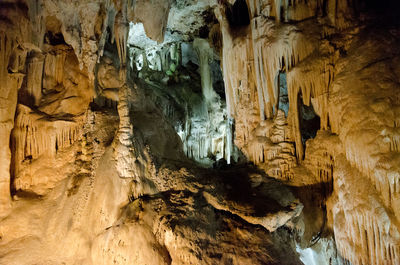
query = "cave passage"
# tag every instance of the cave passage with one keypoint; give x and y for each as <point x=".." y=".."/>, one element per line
<point x="283" y="102"/>
<point x="309" y="121"/>
<point x="238" y="14"/>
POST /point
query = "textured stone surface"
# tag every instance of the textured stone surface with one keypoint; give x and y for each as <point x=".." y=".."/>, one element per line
<point x="99" y="127"/>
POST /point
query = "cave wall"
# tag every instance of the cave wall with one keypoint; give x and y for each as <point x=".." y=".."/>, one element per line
<point x="60" y="60"/>
<point x="87" y="176"/>
<point x="342" y="62"/>
<point x="49" y="52"/>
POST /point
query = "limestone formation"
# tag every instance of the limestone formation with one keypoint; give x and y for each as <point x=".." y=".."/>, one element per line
<point x="199" y="132"/>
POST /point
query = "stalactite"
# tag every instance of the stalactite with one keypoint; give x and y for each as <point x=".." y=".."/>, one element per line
<point x="294" y="120"/>
<point x="207" y="135"/>
<point x="313" y="77"/>
<point x="203" y="138"/>
<point x="298" y="10"/>
<point x="272" y="48"/>
<point x="121" y="28"/>
<point x="320" y="159"/>
<point x="285" y="10"/>
<point x="6" y="48"/>
<point x="12" y="58"/>
<point x="380" y="170"/>
<point x="369" y="241"/>
<point x="34" y="77"/>
<point x="230" y="61"/>
<point x="165" y="57"/>
<point x="35" y="136"/>
<point x="37" y="24"/>
<point x="301" y="9"/>
<point x="108" y="23"/>
<point x="17" y="60"/>
<point x="311" y="66"/>
<point x="373" y="233"/>
<point x="278" y="8"/>
<point x="204" y="53"/>
<point x="54" y="68"/>
<point x="272" y="54"/>
<point x="256" y="60"/>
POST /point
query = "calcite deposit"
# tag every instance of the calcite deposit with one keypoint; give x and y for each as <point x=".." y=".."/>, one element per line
<point x="199" y="132"/>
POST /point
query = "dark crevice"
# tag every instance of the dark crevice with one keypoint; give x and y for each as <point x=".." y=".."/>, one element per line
<point x="54" y="38"/>
<point x="218" y="79"/>
<point x="309" y="121"/>
<point x="238" y="14"/>
<point x="324" y="7"/>
<point x="203" y="32"/>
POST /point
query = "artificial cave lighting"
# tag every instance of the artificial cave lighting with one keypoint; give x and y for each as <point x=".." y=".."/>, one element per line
<point x="199" y="132"/>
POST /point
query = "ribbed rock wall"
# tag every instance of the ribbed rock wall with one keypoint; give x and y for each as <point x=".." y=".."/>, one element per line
<point x="92" y="170"/>
<point x="337" y="62"/>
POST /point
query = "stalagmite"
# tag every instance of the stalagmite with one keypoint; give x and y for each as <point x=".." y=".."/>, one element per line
<point x="269" y="148"/>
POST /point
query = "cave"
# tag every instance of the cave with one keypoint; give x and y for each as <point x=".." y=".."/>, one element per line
<point x="171" y="132"/>
<point x="309" y="122"/>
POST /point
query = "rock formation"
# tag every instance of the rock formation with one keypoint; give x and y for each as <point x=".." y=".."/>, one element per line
<point x="199" y="132"/>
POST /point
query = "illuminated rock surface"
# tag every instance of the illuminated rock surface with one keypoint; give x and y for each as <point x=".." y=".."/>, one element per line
<point x="199" y="132"/>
